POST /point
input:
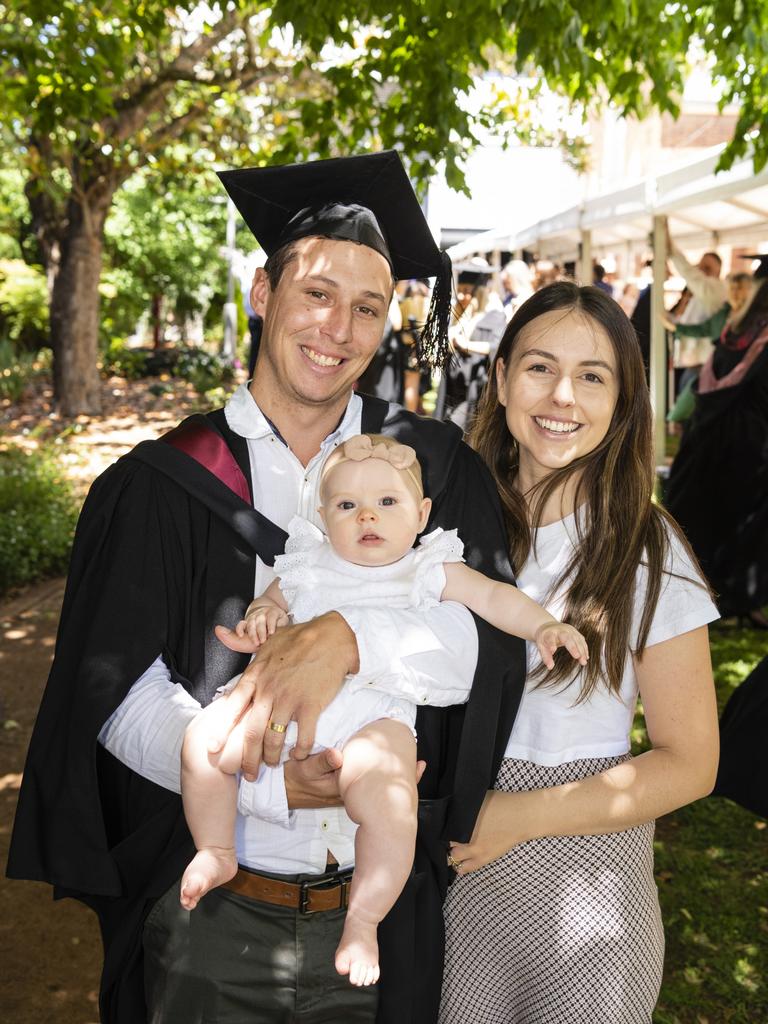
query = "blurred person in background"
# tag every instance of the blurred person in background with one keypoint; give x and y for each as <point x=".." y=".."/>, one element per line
<point x="474" y="334"/>
<point x="516" y="283"/>
<point x="739" y="287"/>
<point x="628" y="298"/>
<point x="718" y="485"/>
<point x="414" y="305"/>
<point x="384" y="377"/>
<point x="706" y="294"/>
<point x="598" y="279"/>
<point x="546" y="273"/>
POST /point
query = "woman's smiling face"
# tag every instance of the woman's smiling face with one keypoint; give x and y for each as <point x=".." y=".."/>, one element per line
<point x="559" y="388"/>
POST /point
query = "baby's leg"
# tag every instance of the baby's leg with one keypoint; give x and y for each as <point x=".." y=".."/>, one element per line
<point x="378" y="786"/>
<point x="209" y="793"/>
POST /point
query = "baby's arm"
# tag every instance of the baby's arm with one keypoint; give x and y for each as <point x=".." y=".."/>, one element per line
<point x="264" y="615"/>
<point x="509" y="609"/>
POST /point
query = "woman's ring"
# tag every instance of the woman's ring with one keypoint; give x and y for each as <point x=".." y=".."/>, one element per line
<point x="455" y="864"/>
<point x="276" y="727"/>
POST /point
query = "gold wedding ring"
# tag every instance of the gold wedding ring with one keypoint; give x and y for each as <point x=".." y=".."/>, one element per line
<point x="276" y="727"/>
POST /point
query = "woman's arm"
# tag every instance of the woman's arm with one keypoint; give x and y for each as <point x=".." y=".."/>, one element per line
<point x="710" y="328"/>
<point x="678" y="697"/>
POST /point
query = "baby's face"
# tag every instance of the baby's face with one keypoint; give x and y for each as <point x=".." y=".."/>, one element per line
<point x="371" y="512"/>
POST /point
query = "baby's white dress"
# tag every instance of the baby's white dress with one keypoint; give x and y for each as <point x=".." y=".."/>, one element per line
<point x="315" y="580"/>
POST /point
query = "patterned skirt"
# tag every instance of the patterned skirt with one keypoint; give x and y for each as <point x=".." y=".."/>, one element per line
<point x="561" y="930"/>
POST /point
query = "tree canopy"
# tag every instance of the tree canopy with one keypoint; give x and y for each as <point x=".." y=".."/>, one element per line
<point x="92" y="92"/>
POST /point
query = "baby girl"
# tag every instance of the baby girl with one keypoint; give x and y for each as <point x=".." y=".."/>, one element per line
<point x="373" y="508"/>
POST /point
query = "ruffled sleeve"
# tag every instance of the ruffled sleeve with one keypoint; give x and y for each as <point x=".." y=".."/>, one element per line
<point x="302" y="552"/>
<point x="434" y="550"/>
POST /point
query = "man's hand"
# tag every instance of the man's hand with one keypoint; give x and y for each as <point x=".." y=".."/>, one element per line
<point x="292" y="678"/>
<point x="314" y="782"/>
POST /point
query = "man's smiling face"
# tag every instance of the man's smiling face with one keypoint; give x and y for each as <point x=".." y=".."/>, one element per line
<point x="322" y="322"/>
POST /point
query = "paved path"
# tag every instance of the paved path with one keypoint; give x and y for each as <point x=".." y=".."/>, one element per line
<point x="50" y="952"/>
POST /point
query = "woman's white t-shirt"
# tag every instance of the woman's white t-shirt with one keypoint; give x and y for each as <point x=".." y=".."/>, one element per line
<point x="551" y="728"/>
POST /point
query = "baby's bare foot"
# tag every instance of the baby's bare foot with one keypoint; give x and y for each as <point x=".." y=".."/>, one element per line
<point x="209" y="867"/>
<point x="358" y="952"/>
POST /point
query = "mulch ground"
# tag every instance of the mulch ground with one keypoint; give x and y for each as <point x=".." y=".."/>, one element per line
<point x="132" y="410"/>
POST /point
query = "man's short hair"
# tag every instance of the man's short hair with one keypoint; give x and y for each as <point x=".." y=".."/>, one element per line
<point x="277" y="262"/>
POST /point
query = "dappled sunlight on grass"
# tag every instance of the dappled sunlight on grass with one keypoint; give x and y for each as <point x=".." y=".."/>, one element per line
<point x="712" y="874"/>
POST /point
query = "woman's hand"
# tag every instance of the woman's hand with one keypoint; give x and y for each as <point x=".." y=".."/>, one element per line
<point x="498" y="828"/>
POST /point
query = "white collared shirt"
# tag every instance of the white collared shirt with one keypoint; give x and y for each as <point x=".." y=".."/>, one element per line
<point x="427" y="657"/>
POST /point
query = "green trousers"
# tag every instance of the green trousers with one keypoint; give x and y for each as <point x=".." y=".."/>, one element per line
<point x="234" y="960"/>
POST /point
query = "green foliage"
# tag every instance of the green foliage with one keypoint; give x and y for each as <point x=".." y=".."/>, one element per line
<point x="37" y="517"/>
<point x="711" y="862"/>
<point x="121" y="361"/>
<point x="23" y="305"/>
<point x="734" y="38"/>
<point x="120" y="85"/>
<point x="16" y="371"/>
<point x="713" y="887"/>
<point x="163" y="243"/>
<point x="14" y="211"/>
<point x="205" y="372"/>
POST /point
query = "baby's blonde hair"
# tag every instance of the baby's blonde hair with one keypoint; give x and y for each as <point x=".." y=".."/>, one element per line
<point x="411" y="472"/>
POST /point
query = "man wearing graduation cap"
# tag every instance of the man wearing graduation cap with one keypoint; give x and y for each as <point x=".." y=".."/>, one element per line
<point x="173" y="540"/>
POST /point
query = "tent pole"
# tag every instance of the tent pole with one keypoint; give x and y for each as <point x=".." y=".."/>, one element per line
<point x="584" y="269"/>
<point x="658" y="341"/>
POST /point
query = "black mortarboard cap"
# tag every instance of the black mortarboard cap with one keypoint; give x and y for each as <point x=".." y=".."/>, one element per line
<point x="476" y="271"/>
<point x="364" y="199"/>
<point x="762" y="271"/>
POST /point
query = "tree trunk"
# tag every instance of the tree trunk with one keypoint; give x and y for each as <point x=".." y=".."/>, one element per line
<point x="157" y="327"/>
<point x="74" y="310"/>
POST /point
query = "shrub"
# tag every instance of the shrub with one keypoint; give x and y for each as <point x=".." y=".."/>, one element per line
<point x="23" y="305"/>
<point x="204" y="371"/>
<point x="38" y="513"/>
<point x="123" y="361"/>
<point x="16" y="370"/>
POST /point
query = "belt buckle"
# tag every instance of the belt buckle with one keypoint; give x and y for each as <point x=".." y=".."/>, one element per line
<point x="341" y="880"/>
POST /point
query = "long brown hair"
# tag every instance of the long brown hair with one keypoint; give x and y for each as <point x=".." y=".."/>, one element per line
<point x="622" y="528"/>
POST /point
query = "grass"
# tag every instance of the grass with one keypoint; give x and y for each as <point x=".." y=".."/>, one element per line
<point x="712" y="874"/>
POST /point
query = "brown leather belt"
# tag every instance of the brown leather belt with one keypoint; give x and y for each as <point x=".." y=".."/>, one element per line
<point x="327" y="893"/>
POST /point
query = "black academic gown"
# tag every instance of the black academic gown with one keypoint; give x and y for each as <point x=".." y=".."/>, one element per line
<point x="741" y="775"/>
<point x="718" y="489"/>
<point x="384" y="376"/>
<point x="163" y="551"/>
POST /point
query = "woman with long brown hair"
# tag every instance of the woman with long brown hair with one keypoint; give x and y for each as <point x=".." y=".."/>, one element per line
<point x="553" y="916"/>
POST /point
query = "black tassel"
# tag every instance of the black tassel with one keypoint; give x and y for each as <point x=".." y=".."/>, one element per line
<point x="432" y="348"/>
